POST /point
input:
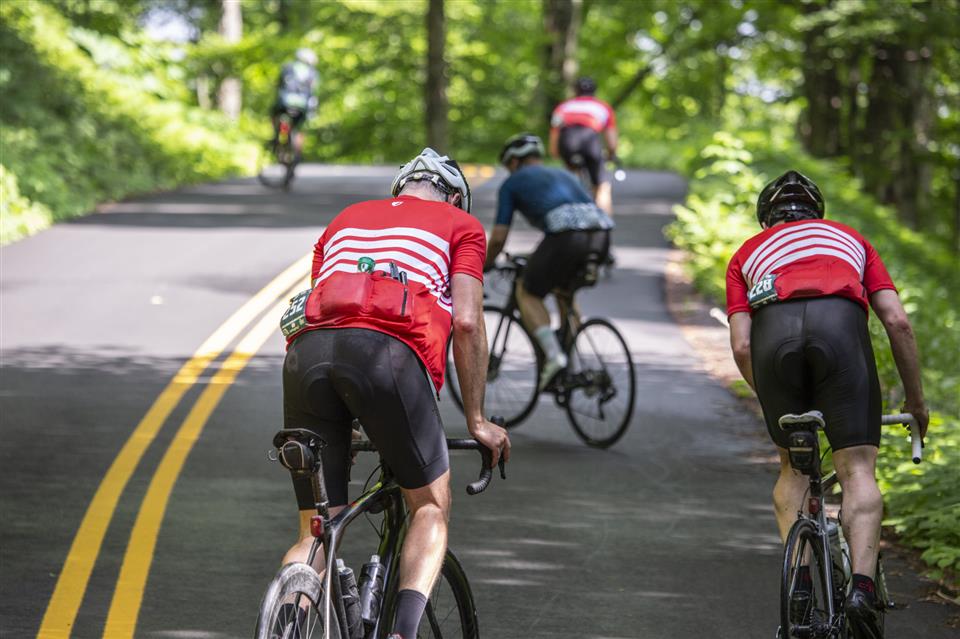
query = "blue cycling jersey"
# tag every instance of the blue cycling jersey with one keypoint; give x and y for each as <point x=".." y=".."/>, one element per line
<point x="550" y="199"/>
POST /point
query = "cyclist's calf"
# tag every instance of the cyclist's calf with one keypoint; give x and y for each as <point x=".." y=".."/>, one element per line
<point x="426" y="541"/>
<point x="862" y="507"/>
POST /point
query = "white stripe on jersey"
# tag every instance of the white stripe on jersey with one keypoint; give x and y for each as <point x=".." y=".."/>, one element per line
<point x="441" y="244"/>
<point x="404" y="261"/>
<point x="792" y="233"/>
<point x="590" y="107"/>
<point x="784" y="253"/>
<point x="785" y="234"/>
<point x="799" y="255"/>
<point x="373" y="246"/>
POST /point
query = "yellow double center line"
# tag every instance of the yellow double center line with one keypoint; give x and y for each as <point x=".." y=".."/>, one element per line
<point x="72" y="584"/>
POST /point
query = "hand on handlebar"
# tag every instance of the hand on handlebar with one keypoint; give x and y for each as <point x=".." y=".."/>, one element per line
<point x="920" y="413"/>
<point x="493" y="437"/>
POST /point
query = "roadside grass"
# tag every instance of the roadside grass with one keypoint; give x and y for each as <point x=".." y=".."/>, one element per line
<point x="84" y="121"/>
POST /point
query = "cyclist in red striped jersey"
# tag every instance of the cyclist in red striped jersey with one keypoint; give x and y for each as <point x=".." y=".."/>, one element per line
<point x="798" y="295"/>
<point x="390" y="279"/>
<point x="575" y="129"/>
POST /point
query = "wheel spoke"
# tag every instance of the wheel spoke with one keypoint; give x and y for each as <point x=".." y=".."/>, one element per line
<point x="600" y="402"/>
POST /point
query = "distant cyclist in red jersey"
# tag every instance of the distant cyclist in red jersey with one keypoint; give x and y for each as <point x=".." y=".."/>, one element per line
<point x="798" y="295"/>
<point x="391" y="278"/>
<point x="575" y="130"/>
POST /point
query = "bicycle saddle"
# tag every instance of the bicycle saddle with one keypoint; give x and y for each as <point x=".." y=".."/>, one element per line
<point x="810" y="420"/>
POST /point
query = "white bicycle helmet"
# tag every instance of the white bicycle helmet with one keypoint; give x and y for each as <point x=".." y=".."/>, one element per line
<point x="439" y="170"/>
<point x="520" y="146"/>
<point x="307" y="56"/>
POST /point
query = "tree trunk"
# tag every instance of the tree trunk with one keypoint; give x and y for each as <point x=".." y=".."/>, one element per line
<point x="899" y="119"/>
<point x="561" y="22"/>
<point x="956" y="210"/>
<point x="231" y="28"/>
<point x="436" y="87"/>
<point x="820" y="122"/>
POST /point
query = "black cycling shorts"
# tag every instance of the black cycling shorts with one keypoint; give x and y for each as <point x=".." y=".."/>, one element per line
<point x="815" y="354"/>
<point x="332" y="376"/>
<point x="560" y="256"/>
<point x="297" y="116"/>
<point x="583" y="143"/>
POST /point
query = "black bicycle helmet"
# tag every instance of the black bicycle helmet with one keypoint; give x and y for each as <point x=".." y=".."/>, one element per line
<point x="586" y="86"/>
<point x="521" y="146"/>
<point x="790" y="197"/>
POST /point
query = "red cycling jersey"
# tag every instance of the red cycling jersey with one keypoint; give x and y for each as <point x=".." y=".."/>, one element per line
<point x="584" y="110"/>
<point x="808" y="258"/>
<point x="386" y="265"/>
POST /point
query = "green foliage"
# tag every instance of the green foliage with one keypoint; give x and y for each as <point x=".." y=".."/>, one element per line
<point x="19" y="217"/>
<point x="81" y="123"/>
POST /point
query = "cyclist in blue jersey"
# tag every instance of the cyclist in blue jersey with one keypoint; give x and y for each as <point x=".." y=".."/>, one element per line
<point x="553" y="201"/>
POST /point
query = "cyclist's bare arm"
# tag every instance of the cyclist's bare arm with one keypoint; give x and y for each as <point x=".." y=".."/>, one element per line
<point x="740" y="343"/>
<point x="886" y="304"/>
<point x="554" y="142"/>
<point x="470" y="357"/>
<point x="498" y="237"/>
<point x="612" y="137"/>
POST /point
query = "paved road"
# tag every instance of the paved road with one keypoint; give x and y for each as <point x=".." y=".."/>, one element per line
<point x="668" y="535"/>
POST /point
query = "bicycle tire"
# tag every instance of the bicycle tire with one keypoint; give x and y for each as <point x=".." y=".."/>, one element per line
<point x="450" y="612"/>
<point x="275" y="170"/>
<point x="283" y="597"/>
<point x="452" y="583"/>
<point x="597" y="367"/>
<point x="517" y="379"/>
<point x="805" y="535"/>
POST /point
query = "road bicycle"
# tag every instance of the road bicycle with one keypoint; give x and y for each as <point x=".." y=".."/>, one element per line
<point x="597" y="388"/>
<point x="301" y="603"/>
<point x="278" y="165"/>
<point x="816" y="539"/>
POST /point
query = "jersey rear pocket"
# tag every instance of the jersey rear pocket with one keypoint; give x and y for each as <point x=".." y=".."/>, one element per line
<point x="349" y="295"/>
<point x="340" y="295"/>
<point x="389" y="299"/>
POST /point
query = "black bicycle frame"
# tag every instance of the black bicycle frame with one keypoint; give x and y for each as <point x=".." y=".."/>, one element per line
<point x="384" y="496"/>
<point x="816" y="512"/>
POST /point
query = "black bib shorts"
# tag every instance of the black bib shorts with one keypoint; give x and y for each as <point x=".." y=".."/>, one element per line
<point x="331" y="377"/>
<point x="559" y="257"/>
<point x="815" y="354"/>
<point x="585" y="142"/>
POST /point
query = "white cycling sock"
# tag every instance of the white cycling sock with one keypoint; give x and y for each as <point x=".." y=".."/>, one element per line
<point x="548" y="341"/>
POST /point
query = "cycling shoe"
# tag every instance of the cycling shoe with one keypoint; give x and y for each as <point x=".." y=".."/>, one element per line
<point x="865" y="615"/>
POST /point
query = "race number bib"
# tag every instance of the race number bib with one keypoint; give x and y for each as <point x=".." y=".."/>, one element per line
<point x="295" y="319"/>
<point x="763" y="292"/>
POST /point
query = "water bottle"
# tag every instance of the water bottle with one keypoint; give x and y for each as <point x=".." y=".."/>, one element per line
<point x="839" y="556"/>
<point x="371" y="590"/>
<point x="351" y="599"/>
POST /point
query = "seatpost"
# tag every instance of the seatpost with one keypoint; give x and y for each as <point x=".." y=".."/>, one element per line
<point x="320" y="494"/>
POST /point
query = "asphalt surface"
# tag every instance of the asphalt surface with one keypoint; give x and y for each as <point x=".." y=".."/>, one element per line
<point x="670" y="534"/>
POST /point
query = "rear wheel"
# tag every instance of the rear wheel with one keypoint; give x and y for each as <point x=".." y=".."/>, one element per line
<point x="805" y="610"/>
<point x="513" y="372"/>
<point x="600" y="384"/>
<point x="450" y="611"/>
<point x="291" y="607"/>
<point x="276" y="165"/>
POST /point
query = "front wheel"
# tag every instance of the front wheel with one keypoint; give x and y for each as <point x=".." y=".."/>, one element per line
<point x="600" y="384"/>
<point x="513" y="372"/>
<point x="291" y="606"/>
